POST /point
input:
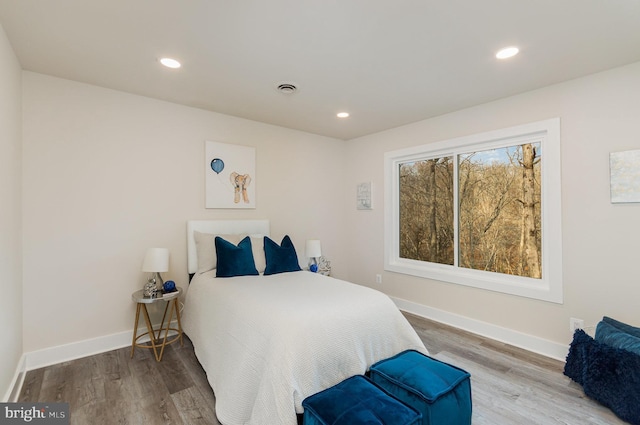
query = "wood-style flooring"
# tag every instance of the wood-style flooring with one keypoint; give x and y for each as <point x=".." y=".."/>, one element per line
<point x="510" y="386"/>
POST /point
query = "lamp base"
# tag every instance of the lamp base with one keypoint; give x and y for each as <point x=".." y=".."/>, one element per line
<point x="313" y="265"/>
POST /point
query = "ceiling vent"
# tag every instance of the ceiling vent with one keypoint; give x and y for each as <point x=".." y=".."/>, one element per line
<point x="287" y="88"/>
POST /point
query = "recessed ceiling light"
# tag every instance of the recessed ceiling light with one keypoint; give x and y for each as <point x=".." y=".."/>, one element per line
<point x="342" y="114"/>
<point x="507" y="52"/>
<point x="170" y="63"/>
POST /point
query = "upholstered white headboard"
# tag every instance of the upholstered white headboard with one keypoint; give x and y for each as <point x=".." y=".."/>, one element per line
<point x="220" y="227"/>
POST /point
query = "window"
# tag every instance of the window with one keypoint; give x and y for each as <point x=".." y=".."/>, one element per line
<point x="482" y="211"/>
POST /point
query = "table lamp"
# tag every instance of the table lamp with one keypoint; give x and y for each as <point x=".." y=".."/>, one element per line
<point x="156" y="261"/>
<point x="313" y="250"/>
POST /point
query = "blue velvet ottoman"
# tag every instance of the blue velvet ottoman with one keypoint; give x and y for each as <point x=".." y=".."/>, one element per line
<point x="357" y="401"/>
<point x="441" y="392"/>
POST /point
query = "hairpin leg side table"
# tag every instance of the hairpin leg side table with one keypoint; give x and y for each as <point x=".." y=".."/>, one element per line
<point x="160" y="338"/>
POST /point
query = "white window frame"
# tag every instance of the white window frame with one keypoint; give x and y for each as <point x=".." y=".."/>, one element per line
<point x="549" y="287"/>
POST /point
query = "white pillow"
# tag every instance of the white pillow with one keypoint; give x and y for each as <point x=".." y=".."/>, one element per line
<point x="259" y="257"/>
<point x="206" y="250"/>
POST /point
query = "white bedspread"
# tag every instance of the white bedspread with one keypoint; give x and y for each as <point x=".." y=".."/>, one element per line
<point x="268" y="342"/>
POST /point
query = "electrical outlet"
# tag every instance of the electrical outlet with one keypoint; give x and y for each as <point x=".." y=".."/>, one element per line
<point x="575" y="324"/>
<point x="378" y="278"/>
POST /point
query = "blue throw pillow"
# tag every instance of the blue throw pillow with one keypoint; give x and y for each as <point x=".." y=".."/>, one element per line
<point x="631" y="330"/>
<point x="280" y="258"/>
<point x="234" y="260"/>
<point x="612" y="377"/>
<point x="576" y="362"/>
<point x="614" y="337"/>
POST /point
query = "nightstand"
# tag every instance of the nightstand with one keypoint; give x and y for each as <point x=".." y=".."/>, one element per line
<point x="160" y="338"/>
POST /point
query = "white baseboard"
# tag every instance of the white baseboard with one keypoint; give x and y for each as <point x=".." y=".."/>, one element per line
<point x="79" y="349"/>
<point x="72" y="351"/>
<point x="16" y="384"/>
<point x="508" y="336"/>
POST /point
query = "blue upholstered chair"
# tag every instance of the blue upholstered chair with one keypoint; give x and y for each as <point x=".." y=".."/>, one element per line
<point x="357" y="401"/>
<point x="441" y="392"/>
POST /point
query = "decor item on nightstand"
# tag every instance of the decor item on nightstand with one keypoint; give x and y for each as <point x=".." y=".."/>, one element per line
<point x="156" y="261"/>
<point x="149" y="289"/>
<point x="313" y="251"/>
<point x="324" y="266"/>
<point x="169" y="286"/>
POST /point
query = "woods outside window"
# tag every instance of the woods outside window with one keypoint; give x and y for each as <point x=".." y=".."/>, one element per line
<point x="482" y="211"/>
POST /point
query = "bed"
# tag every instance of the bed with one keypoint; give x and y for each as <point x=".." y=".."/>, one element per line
<point x="267" y="342"/>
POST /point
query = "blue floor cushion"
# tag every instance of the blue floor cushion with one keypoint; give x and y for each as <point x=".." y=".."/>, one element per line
<point x="357" y="401"/>
<point x="440" y="391"/>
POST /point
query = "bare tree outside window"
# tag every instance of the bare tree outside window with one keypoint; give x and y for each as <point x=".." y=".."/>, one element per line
<point x="498" y="208"/>
<point x="426" y="210"/>
<point x="482" y="210"/>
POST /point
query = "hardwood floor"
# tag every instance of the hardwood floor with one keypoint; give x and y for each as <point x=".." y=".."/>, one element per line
<point x="510" y="386"/>
<point x="112" y="388"/>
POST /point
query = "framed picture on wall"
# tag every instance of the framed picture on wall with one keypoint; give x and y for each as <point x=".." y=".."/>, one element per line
<point x="625" y="176"/>
<point x="363" y="196"/>
<point x="230" y="175"/>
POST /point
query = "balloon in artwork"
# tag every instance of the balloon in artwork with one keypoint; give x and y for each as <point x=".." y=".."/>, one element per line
<point x="217" y="165"/>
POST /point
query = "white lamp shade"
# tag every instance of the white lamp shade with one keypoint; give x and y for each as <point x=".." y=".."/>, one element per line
<point x="313" y="249"/>
<point x="156" y="260"/>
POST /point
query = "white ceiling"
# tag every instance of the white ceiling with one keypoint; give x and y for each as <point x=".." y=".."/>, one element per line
<point x="386" y="62"/>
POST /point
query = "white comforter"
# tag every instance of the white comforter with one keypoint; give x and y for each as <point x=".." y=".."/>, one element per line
<point x="268" y="342"/>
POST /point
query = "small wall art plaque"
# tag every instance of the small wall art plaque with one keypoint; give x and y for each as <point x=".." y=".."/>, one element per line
<point x="625" y="176"/>
<point x="364" y="196"/>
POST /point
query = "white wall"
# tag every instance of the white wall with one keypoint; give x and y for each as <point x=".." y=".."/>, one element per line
<point x="108" y="174"/>
<point x="599" y="114"/>
<point x="10" y="216"/>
